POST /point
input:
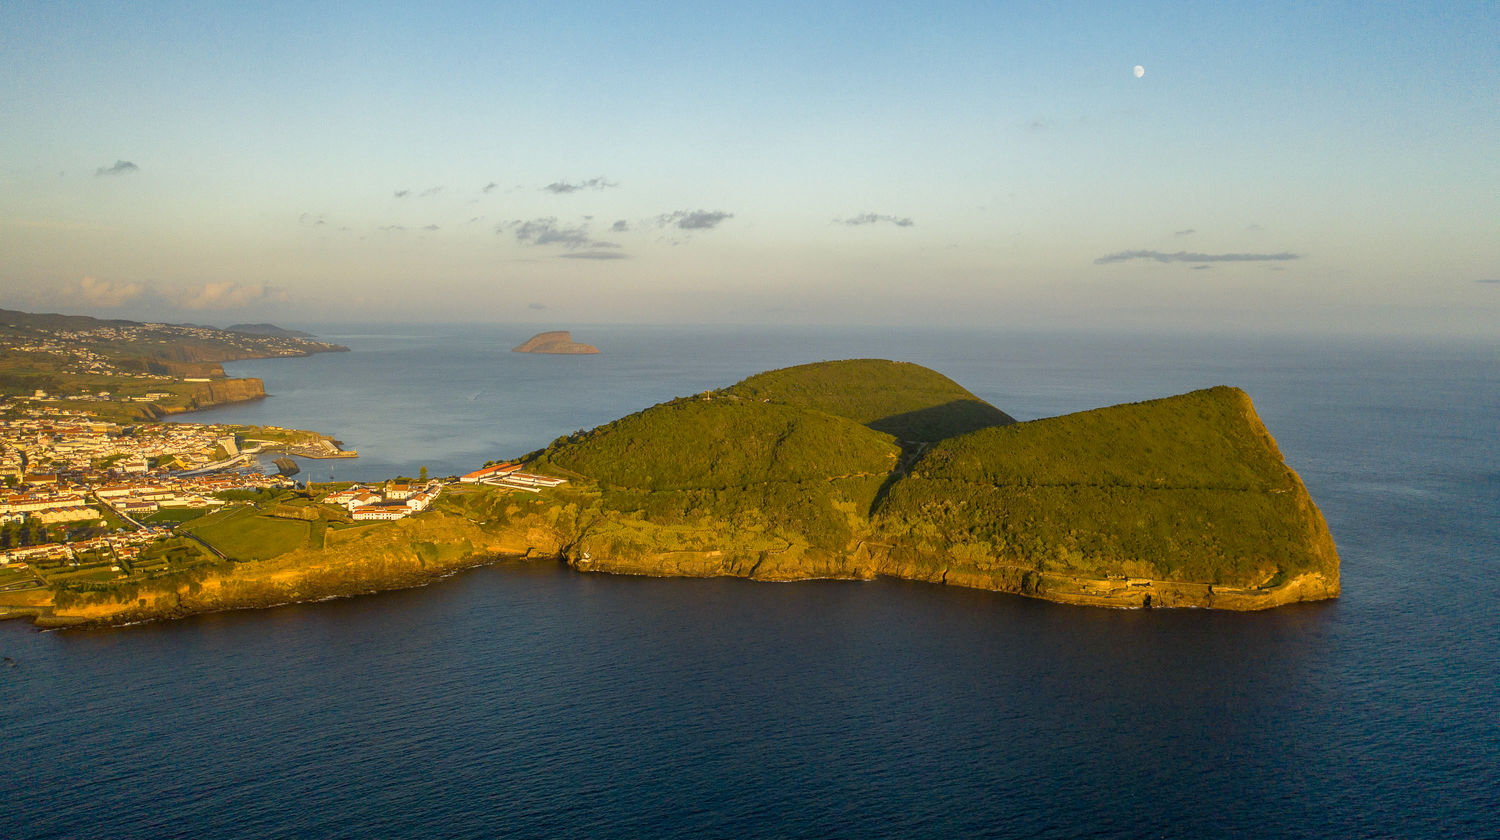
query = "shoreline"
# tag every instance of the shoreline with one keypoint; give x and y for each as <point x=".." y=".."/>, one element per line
<point x="1052" y="587"/>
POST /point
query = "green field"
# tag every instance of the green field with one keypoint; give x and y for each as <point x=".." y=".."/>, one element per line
<point x="165" y="516"/>
<point x="244" y="533"/>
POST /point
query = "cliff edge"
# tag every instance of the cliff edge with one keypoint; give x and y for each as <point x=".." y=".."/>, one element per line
<point x="557" y="342"/>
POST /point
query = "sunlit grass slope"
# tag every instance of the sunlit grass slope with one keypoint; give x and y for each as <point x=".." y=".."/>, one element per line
<point x="1187" y="488"/>
<point x="719" y="441"/>
<point x="719" y="461"/>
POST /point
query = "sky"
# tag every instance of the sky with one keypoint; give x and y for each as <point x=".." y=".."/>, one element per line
<point x="1301" y="168"/>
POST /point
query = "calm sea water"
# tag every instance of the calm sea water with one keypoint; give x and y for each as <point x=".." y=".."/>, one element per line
<point x="530" y="701"/>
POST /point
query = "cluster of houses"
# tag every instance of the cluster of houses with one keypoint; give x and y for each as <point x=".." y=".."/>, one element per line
<point x="49" y="505"/>
<point x="52" y="502"/>
<point x="400" y="499"/>
<point x="125" y="545"/>
<point x="76" y="442"/>
<point x="509" y="476"/>
<point x="392" y="500"/>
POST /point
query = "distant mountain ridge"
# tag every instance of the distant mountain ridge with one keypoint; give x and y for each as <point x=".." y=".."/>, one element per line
<point x="59" y="321"/>
<point x="183" y="350"/>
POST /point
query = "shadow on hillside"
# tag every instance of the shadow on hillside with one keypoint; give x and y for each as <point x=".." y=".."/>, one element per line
<point x="940" y="422"/>
<point x="917" y="430"/>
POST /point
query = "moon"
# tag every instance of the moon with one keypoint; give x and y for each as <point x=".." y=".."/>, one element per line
<point x="1139" y="71"/>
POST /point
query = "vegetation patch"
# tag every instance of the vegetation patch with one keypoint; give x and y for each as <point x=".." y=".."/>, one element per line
<point x="244" y="533"/>
<point x="721" y="443"/>
<point x="166" y="516"/>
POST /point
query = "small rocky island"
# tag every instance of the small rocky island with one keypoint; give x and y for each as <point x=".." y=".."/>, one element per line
<point x="557" y="342"/>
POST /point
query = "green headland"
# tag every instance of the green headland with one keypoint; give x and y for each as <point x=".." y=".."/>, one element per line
<point x="850" y="469"/>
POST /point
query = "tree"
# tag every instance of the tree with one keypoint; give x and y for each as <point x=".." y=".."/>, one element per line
<point x="422" y="475"/>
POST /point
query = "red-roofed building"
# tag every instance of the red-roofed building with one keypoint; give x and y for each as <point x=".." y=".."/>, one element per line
<point x="496" y="471"/>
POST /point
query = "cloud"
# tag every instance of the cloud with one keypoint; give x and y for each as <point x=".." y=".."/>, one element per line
<point x="1202" y="267"/>
<point x="872" y="218"/>
<point x="1188" y="256"/>
<point x="564" y="187"/>
<point x="1254" y="227"/>
<point x="402" y="193"/>
<point x="429" y="192"/>
<point x="694" y="219"/>
<point x="1489" y="280"/>
<point x="549" y="232"/>
<point x="490" y="187"/>
<point x="594" y="255"/>
<point x="1188" y="232"/>
<point x="621" y="226"/>
<point x="537" y="306"/>
<point x="121" y="167"/>
<point x="107" y="292"/>
<point x="229" y="295"/>
<point x="432" y="227"/>
<point x="392" y="227"/>
<point x="311" y="219"/>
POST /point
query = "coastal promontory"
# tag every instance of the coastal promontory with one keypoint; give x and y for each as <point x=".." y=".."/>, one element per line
<point x="864" y="468"/>
<point x="556" y="342"/>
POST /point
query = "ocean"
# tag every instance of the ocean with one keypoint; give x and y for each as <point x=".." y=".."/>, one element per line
<point x="532" y="701"/>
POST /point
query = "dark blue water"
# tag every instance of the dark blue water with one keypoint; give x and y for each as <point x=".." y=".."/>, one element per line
<point x="531" y="701"/>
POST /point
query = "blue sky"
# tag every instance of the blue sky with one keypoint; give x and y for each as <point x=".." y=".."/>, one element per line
<point x="1299" y="167"/>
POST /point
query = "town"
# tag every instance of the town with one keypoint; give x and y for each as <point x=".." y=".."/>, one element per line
<point x="88" y="503"/>
<point x="97" y="494"/>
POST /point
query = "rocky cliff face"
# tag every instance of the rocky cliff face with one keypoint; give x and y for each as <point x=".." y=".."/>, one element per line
<point x="210" y="394"/>
<point x="221" y="391"/>
<point x="559" y="342"/>
<point x="397" y="555"/>
<point x="866" y="562"/>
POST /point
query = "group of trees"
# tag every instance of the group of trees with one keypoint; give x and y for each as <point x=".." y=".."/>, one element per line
<point x="21" y="534"/>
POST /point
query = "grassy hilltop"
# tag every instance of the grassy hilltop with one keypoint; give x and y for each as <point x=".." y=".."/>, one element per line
<point x="908" y="401"/>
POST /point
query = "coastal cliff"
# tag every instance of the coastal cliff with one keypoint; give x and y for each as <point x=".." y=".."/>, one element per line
<point x="334" y="564"/>
<point x="557" y="342"/>
<point x="210" y="394"/>
<point x="222" y="391"/>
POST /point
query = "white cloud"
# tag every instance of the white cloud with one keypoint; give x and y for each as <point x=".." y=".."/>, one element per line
<point x="108" y="293"/>
<point x="229" y="295"/>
